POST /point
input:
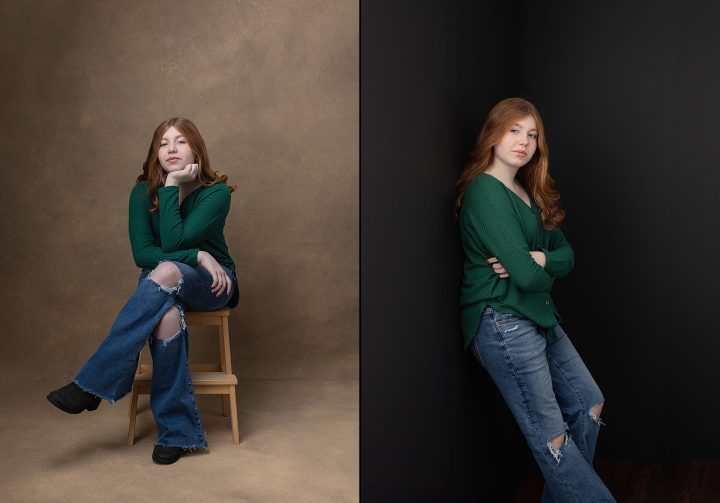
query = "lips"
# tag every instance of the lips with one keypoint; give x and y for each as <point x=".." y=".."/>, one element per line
<point x="520" y="152"/>
<point x="170" y="159"/>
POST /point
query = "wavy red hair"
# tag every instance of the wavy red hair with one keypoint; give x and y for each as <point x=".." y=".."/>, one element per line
<point x="153" y="171"/>
<point x="534" y="176"/>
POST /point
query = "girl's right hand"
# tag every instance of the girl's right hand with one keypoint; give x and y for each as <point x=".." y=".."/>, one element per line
<point x="497" y="267"/>
<point x="221" y="281"/>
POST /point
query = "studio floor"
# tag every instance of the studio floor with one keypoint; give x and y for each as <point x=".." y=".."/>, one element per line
<point x="298" y="442"/>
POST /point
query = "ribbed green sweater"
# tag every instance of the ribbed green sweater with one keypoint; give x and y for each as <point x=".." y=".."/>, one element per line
<point x="178" y="231"/>
<point x="496" y="222"/>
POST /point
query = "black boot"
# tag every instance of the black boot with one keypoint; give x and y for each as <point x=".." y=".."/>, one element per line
<point x="166" y="455"/>
<point x="72" y="399"/>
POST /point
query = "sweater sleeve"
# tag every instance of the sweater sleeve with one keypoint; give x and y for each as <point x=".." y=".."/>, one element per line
<point x="560" y="257"/>
<point x="179" y="234"/>
<point x="142" y="239"/>
<point x="491" y="213"/>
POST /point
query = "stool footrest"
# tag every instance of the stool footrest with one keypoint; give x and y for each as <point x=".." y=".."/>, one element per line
<point x="198" y="378"/>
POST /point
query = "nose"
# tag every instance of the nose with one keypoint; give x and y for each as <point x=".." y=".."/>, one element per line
<point x="172" y="148"/>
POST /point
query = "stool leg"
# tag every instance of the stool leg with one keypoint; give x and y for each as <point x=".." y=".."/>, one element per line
<point x="233" y="416"/>
<point x="221" y="349"/>
<point x="133" y="416"/>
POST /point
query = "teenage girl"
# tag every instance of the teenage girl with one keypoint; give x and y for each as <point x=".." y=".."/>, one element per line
<point x="509" y="216"/>
<point x="177" y="214"/>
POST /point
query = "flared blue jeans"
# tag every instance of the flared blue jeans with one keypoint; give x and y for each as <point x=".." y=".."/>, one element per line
<point x="110" y="371"/>
<point x="550" y="392"/>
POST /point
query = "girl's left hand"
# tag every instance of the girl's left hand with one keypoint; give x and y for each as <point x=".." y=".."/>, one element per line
<point x="539" y="257"/>
<point x="184" y="175"/>
<point x="221" y="281"/>
<point x="497" y="267"/>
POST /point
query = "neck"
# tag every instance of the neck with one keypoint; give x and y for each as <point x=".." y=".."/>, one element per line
<point x="504" y="173"/>
<point x="185" y="186"/>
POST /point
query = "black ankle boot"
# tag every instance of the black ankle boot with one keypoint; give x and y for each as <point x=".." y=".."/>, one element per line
<point x="72" y="399"/>
<point x="166" y="455"/>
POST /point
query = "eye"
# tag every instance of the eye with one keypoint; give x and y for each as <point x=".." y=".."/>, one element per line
<point x="533" y="136"/>
<point x="181" y="141"/>
<point x="515" y="130"/>
<point x="163" y="144"/>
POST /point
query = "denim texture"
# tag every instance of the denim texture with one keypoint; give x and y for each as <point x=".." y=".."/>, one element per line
<point x="550" y="392"/>
<point x="110" y="371"/>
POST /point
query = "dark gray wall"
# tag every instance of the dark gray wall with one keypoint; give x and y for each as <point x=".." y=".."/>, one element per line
<point x="630" y="103"/>
<point x="430" y="420"/>
<point x="628" y="96"/>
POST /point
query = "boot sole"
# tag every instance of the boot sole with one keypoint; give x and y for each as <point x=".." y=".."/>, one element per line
<point x="62" y="407"/>
<point x="164" y="461"/>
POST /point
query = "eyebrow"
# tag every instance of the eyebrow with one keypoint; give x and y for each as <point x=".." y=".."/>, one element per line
<point x="518" y="125"/>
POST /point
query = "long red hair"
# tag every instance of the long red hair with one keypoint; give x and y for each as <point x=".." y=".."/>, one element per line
<point x="534" y="176"/>
<point x="153" y="171"/>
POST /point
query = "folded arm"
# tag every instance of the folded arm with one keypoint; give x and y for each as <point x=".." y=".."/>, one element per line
<point x="178" y="234"/>
<point x="501" y="233"/>
<point x="142" y="240"/>
<point x="560" y="257"/>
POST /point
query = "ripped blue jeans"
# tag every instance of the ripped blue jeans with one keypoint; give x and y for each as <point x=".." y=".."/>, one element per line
<point x="550" y="392"/>
<point x="110" y="371"/>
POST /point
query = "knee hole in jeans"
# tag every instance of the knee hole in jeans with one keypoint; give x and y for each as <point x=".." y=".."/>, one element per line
<point x="166" y="274"/>
<point x="594" y="413"/>
<point x="170" y="325"/>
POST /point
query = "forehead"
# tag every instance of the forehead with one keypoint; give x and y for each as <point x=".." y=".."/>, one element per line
<point x="171" y="132"/>
<point x="527" y="122"/>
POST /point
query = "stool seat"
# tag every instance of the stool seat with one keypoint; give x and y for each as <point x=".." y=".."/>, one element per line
<point x="207" y="378"/>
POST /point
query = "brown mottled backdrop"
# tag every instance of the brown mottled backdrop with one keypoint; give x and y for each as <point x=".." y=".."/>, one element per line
<point x="273" y="88"/>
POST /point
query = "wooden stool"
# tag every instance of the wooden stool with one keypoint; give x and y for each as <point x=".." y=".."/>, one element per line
<point x="207" y="378"/>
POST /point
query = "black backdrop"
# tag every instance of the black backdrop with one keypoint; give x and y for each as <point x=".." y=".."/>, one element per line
<point x="630" y="95"/>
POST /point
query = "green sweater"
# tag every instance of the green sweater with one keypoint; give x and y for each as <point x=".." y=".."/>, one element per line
<point x="496" y="222"/>
<point x="177" y="232"/>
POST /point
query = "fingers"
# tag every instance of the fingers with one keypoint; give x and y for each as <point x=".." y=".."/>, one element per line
<point x="214" y="274"/>
<point x="221" y="281"/>
<point x="191" y="170"/>
<point x="497" y="267"/>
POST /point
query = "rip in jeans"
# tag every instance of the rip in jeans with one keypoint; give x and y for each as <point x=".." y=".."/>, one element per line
<point x="594" y="417"/>
<point x="167" y="289"/>
<point x="555" y="452"/>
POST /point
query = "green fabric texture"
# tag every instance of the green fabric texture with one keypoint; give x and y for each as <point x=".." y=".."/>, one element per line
<point x="496" y="222"/>
<point x="178" y="231"/>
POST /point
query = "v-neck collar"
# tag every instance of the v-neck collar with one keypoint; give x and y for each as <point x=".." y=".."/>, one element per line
<point x="532" y="203"/>
<point x="191" y="195"/>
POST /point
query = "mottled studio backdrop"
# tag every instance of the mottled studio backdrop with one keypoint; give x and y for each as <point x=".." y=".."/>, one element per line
<point x="273" y="88"/>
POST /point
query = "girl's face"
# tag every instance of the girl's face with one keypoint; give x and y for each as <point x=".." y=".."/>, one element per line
<point x="519" y="144"/>
<point x="174" y="152"/>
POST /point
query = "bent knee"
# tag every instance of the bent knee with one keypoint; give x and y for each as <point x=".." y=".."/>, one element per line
<point x="558" y="441"/>
<point x="595" y="411"/>
<point x="166" y="274"/>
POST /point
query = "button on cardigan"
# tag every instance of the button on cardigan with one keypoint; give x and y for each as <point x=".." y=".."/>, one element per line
<point x="496" y="222"/>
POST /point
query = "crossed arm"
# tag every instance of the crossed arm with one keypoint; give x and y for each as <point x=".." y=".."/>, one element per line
<point x="495" y="224"/>
<point x="558" y="261"/>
